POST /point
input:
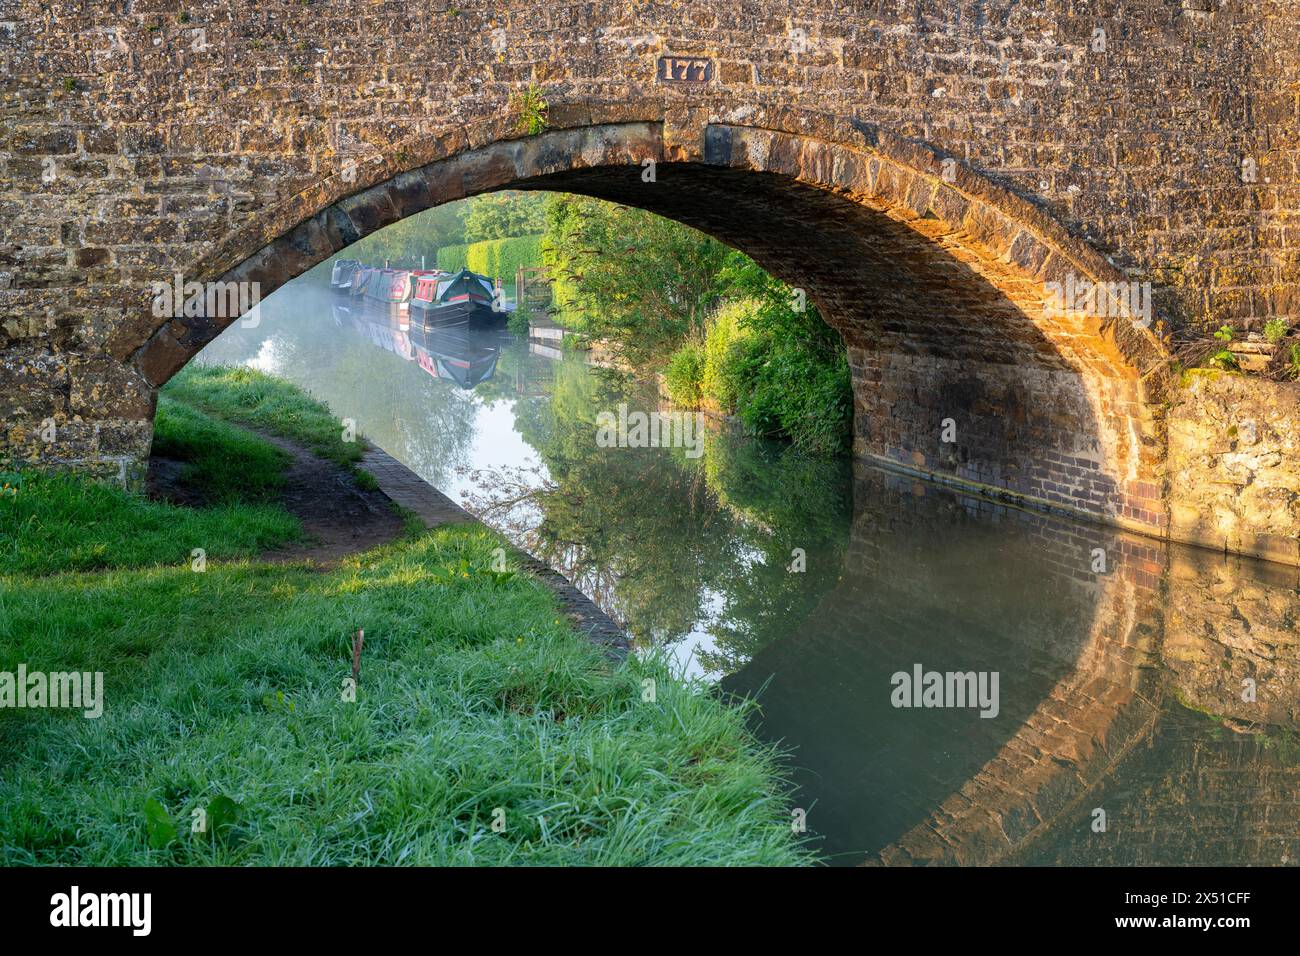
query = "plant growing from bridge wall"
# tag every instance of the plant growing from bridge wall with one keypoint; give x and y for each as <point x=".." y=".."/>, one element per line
<point x="1275" y="330"/>
<point x="533" y="108"/>
<point x="1224" y="358"/>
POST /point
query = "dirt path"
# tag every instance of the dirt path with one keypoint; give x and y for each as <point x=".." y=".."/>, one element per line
<point x="338" y="518"/>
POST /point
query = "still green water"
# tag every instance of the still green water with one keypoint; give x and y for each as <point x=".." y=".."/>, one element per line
<point x="1105" y="720"/>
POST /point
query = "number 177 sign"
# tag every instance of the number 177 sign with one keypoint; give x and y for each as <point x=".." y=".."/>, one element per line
<point x="684" y="69"/>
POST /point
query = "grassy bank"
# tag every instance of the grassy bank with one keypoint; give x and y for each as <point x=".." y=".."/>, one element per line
<point x="223" y="692"/>
<point x="264" y="402"/>
<point x="53" y="523"/>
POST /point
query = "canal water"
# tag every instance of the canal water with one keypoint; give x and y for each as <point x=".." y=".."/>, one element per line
<point x="952" y="680"/>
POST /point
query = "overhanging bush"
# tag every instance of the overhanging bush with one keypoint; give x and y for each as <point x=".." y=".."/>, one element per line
<point x="684" y="374"/>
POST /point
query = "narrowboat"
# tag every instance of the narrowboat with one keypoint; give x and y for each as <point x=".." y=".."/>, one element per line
<point x="361" y="279"/>
<point x="388" y="286"/>
<point x="341" y="276"/>
<point x="442" y="298"/>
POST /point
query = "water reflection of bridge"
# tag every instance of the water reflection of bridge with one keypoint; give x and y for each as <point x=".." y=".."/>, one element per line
<point x="1106" y="683"/>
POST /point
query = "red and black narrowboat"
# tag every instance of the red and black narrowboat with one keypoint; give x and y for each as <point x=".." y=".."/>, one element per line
<point x="462" y="296"/>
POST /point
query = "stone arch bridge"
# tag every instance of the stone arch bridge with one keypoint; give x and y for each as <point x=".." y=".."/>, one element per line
<point x="927" y="171"/>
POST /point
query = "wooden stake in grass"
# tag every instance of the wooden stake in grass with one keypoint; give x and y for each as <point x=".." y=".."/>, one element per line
<point x="358" y="639"/>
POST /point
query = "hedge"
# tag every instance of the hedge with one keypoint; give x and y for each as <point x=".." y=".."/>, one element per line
<point x="493" y="257"/>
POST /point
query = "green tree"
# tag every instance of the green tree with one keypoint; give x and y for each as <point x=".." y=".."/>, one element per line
<point x="504" y="215"/>
<point x="638" y="281"/>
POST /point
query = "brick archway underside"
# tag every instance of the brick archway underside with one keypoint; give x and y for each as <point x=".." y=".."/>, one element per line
<point x="936" y="286"/>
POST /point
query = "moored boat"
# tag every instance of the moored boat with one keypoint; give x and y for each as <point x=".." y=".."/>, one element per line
<point x="388" y="286"/>
<point x="341" y="276"/>
<point x="360" y="279"/>
<point x="464" y="296"/>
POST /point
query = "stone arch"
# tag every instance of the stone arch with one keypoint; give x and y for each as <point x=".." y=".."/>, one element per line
<point x="934" y="276"/>
<point x="157" y="154"/>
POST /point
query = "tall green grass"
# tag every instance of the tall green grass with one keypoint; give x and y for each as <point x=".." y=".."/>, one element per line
<point x="683" y="375"/>
<point x="53" y="523"/>
<point x="477" y="703"/>
<point x="223" y="462"/>
<point x="59" y="523"/>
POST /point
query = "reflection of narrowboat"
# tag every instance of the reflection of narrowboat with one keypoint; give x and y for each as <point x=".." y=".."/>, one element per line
<point x="458" y="352"/>
<point x="341" y="276"/>
<point x="379" y="308"/>
<point x="441" y="299"/>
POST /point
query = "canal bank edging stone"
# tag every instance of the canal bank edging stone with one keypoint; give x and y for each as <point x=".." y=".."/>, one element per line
<point x="407" y="489"/>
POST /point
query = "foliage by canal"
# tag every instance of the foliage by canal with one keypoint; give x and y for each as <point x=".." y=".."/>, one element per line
<point x="727" y="334"/>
